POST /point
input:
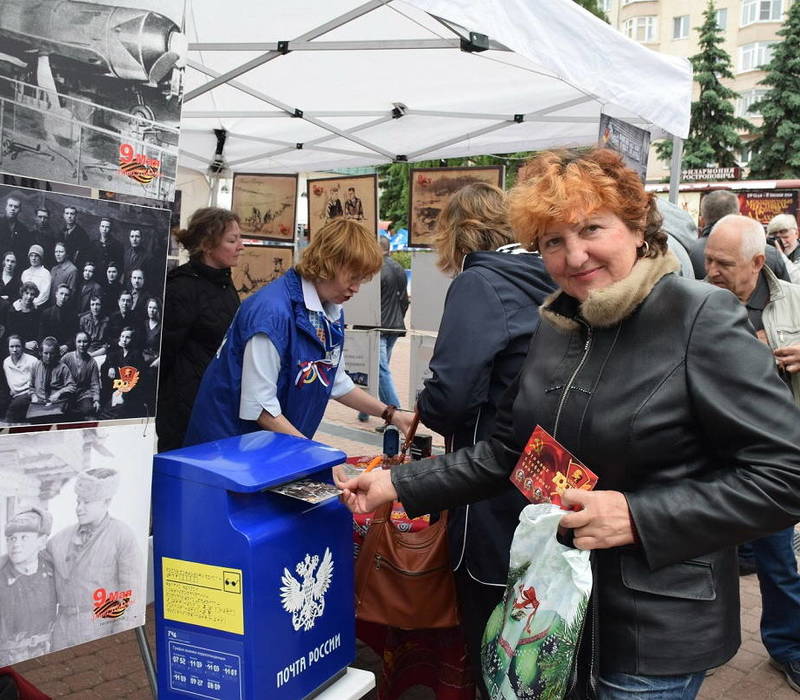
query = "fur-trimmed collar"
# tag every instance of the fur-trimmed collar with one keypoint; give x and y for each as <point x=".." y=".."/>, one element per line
<point x="608" y="306"/>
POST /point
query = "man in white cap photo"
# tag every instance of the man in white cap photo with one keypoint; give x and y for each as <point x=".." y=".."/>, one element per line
<point x="27" y="588"/>
<point x="95" y="559"/>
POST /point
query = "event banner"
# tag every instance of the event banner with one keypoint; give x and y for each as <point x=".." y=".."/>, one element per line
<point x="766" y="204"/>
<point x="81" y="294"/>
<point x="74" y="507"/>
<point x="631" y="142"/>
<point x="90" y="92"/>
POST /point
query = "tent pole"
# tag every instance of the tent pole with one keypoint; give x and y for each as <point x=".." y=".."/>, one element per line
<point x="675" y="169"/>
<point x="214" y="190"/>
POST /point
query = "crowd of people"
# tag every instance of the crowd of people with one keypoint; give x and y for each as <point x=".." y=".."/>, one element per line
<point x="80" y="315"/>
<point x="567" y="310"/>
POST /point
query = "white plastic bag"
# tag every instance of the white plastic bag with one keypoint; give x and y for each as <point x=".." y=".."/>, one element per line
<point x="532" y="637"/>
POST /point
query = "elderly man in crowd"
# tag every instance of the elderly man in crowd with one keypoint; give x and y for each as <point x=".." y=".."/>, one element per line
<point x="784" y="228"/>
<point x="713" y="207"/>
<point x="98" y="552"/>
<point x="735" y="260"/>
<point x="27" y="588"/>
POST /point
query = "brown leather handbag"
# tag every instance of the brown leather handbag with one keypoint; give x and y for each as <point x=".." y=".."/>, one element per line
<point x="403" y="579"/>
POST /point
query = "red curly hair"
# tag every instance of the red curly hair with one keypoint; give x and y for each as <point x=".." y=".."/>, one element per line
<point x="566" y="185"/>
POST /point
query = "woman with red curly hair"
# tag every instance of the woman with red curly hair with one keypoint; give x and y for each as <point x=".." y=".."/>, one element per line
<point x="658" y="385"/>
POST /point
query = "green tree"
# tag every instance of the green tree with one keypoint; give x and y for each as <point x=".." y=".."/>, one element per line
<point x="594" y="7"/>
<point x="776" y="147"/>
<point x="713" y="135"/>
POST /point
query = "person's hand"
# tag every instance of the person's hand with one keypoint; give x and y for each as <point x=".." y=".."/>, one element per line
<point x="96" y="406"/>
<point x="788" y="358"/>
<point x="604" y="520"/>
<point x="364" y="493"/>
<point x="34" y="398"/>
<point x="402" y="420"/>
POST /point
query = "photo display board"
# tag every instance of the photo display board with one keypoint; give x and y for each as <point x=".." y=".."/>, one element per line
<point x="72" y="267"/>
<point x="430" y="188"/>
<point x="266" y="205"/>
<point x="258" y="266"/>
<point x="74" y="507"/>
<point x="351" y="197"/>
<point x="90" y="93"/>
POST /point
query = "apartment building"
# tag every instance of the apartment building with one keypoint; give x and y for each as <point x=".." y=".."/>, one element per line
<point x="670" y="26"/>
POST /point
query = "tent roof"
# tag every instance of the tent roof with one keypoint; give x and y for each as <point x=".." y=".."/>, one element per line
<point x="315" y="86"/>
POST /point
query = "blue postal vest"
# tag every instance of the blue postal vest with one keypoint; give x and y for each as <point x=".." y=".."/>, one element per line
<point x="307" y="370"/>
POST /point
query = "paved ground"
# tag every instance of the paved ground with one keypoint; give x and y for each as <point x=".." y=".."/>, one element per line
<point x="111" y="669"/>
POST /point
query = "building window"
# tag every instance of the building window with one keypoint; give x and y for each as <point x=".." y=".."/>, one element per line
<point x="629" y="2"/>
<point x="722" y="19"/>
<point x="680" y="27"/>
<point x="754" y="56"/>
<point x="640" y="28"/>
<point x="761" y="11"/>
<point x="745" y="155"/>
<point x="747" y="98"/>
<point x="605" y="6"/>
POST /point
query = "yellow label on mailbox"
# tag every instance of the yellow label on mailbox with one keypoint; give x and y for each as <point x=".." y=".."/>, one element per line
<point x="201" y="594"/>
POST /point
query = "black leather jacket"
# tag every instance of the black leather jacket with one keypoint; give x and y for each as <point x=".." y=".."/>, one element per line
<point x="673" y="402"/>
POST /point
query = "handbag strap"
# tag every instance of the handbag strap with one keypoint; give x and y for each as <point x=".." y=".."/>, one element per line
<point x="412" y="431"/>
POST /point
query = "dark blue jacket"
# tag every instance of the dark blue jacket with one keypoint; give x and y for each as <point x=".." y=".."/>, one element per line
<point x="490" y="312"/>
<point x="306" y="375"/>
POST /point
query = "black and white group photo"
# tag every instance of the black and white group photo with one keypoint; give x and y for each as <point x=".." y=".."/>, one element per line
<point x="101" y="112"/>
<point x="74" y="506"/>
<point x="81" y="294"/>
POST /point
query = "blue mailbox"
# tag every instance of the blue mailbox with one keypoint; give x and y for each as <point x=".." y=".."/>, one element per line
<point x="254" y="589"/>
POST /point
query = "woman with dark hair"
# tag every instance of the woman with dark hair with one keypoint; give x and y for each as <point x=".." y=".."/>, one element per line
<point x="151" y="332"/>
<point x="112" y="286"/>
<point x="10" y="276"/>
<point x="199" y="303"/>
<point x="23" y="317"/>
<point x="490" y="312"/>
<point x="659" y="386"/>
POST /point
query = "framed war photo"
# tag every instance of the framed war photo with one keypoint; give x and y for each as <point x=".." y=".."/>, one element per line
<point x="98" y="105"/>
<point x="430" y="188"/>
<point x="55" y="594"/>
<point x="266" y="205"/>
<point x="258" y="266"/>
<point x="81" y="294"/>
<point x="353" y="197"/>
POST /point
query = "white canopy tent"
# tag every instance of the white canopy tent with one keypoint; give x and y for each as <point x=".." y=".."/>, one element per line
<point x="308" y="85"/>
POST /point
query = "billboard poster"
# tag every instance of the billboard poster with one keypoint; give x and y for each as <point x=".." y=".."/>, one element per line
<point x="631" y="142"/>
<point x="90" y="92"/>
<point x="81" y="293"/>
<point x="766" y="204"/>
<point x="74" y="509"/>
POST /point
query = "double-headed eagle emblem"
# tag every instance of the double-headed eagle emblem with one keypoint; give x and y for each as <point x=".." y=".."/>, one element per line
<point x="305" y="599"/>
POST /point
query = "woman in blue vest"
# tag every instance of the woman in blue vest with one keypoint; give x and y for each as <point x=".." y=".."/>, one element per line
<point x="281" y="359"/>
